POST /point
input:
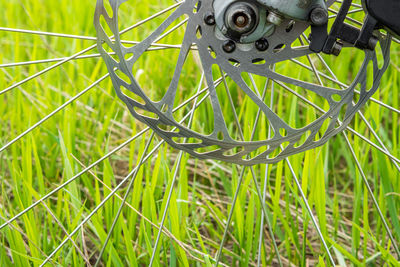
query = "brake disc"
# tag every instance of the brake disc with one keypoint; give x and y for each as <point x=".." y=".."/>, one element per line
<point x="251" y="39"/>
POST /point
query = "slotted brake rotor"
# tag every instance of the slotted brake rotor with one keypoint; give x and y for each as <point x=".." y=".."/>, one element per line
<point x="235" y="37"/>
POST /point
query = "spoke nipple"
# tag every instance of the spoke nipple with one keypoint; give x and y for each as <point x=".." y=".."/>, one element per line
<point x="209" y="18"/>
<point x="229" y="46"/>
<point x="319" y="16"/>
<point x="262" y="44"/>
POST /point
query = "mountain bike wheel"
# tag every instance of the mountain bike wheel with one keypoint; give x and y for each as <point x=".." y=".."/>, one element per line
<point x="243" y="151"/>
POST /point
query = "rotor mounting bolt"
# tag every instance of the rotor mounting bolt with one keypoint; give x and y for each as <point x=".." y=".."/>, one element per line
<point x="209" y="18"/>
<point x="262" y="44"/>
<point x="319" y="16"/>
<point x="274" y="18"/>
<point x="229" y="46"/>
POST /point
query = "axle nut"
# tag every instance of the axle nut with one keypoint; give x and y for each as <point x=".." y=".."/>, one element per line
<point x="241" y="18"/>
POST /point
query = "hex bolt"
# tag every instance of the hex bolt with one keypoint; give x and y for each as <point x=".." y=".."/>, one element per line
<point x="274" y="18"/>
<point x="229" y="46"/>
<point x="262" y="44"/>
<point x="209" y="18"/>
<point x="372" y="43"/>
<point x="319" y="16"/>
<point x="337" y="48"/>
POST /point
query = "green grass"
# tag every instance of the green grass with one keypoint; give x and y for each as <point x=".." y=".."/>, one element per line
<point x="98" y="122"/>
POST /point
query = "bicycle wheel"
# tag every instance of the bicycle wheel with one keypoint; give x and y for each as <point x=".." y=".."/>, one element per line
<point x="253" y="152"/>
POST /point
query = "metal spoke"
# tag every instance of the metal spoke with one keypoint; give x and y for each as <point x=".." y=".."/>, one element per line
<point x="264" y="208"/>
<point x="101" y="160"/>
<point x="41" y="33"/>
<point x="155" y="47"/>
<point x="319" y="109"/>
<point x="26" y="237"/>
<point x="310" y="213"/>
<point x="184" y="246"/>
<point x="171" y="30"/>
<point x="352" y="4"/>
<point x="302" y="193"/>
<point x="219" y="253"/>
<point x="123" y="203"/>
<point x="365" y="180"/>
<point x="46" y="70"/>
<point x="177" y="168"/>
<point x="72" y="179"/>
<point x="52" y="34"/>
<point x="266" y="177"/>
<point x="361" y="170"/>
<point x="371" y="192"/>
<point x="83" y="51"/>
<point x="130" y="186"/>
<point x="66" y="233"/>
<point x="314" y="69"/>
<point x="33" y="127"/>
<point x="348" y="18"/>
<point x="101" y="204"/>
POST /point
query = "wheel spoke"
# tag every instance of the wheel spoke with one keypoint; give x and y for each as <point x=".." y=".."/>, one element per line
<point x="77" y="37"/>
<point x="360" y="113"/>
<point x="383" y="149"/>
<point x="310" y="213"/>
<point x="371" y="193"/>
<point x="266" y="176"/>
<point x="52" y="34"/>
<point x="186" y="247"/>
<point x="319" y="109"/>
<point x="228" y="222"/>
<point x="130" y="186"/>
<point x="47" y="70"/>
<point x="177" y="169"/>
<point x="66" y="233"/>
<point x="264" y="208"/>
<point x="50" y="115"/>
<point x="26" y="237"/>
<point x="99" y="161"/>
<point x="101" y="204"/>
<point x="83" y="52"/>
<point x="154" y="47"/>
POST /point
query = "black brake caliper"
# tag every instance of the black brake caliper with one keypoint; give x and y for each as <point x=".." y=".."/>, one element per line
<point x="386" y="12"/>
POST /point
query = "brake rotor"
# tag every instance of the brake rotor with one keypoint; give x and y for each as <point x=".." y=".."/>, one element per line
<point x="238" y="43"/>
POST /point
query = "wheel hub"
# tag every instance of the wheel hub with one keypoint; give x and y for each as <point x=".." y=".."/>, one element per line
<point x="241" y="18"/>
<point x="241" y="21"/>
